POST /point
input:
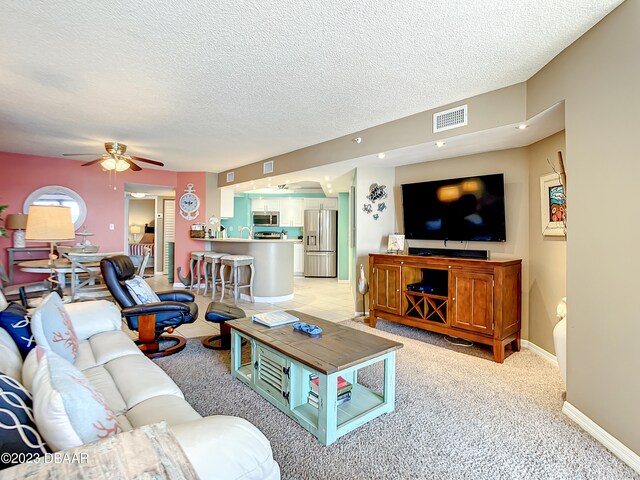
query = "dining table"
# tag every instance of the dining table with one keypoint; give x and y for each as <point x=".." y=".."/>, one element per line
<point x="83" y="270"/>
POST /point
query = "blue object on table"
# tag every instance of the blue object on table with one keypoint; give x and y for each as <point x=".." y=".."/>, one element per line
<point x="307" y="328"/>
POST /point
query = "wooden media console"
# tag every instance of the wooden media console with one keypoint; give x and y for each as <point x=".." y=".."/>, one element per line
<point x="477" y="300"/>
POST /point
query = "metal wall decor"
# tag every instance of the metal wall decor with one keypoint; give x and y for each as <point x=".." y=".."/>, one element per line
<point x="376" y="194"/>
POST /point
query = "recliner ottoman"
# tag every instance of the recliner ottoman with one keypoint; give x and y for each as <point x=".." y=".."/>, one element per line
<point x="218" y="312"/>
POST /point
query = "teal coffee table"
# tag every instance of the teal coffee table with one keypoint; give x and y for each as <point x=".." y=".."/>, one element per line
<point x="282" y="361"/>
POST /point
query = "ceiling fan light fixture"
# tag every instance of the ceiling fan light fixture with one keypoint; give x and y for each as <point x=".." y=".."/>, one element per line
<point x="118" y="165"/>
<point x="108" y="164"/>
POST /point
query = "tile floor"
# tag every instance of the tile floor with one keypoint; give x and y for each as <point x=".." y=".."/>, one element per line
<point x="322" y="297"/>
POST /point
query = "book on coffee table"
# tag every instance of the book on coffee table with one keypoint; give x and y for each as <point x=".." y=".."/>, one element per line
<point x="273" y="319"/>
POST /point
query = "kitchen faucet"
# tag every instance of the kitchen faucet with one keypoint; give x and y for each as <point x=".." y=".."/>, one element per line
<point x="242" y="229"/>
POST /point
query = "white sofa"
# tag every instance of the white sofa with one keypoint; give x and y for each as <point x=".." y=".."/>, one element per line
<point x="141" y="393"/>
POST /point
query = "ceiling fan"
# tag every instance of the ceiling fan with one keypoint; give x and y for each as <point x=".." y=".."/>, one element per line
<point x="115" y="158"/>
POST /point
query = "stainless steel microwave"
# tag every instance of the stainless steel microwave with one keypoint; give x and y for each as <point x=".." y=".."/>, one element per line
<point x="266" y="219"/>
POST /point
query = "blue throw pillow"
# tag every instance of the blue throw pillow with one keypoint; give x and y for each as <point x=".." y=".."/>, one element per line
<point x="18" y="432"/>
<point x="17" y="323"/>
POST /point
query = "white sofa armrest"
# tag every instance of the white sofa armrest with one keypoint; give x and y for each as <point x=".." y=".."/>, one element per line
<point x="223" y="447"/>
<point x="90" y="318"/>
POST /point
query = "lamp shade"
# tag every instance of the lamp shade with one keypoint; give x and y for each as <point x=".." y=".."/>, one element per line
<point x="49" y="224"/>
<point x="134" y="229"/>
<point x="16" y="221"/>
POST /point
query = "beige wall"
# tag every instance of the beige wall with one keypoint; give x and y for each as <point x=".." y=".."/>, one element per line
<point x="514" y="163"/>
<point x="371" y="235"/>
<point x="499" y="107"/>
<point x="599" y="78"/>
<point x="547" y="254"/>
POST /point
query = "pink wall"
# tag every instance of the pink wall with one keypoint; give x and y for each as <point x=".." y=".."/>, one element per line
<point x="22" y="174"/>
<point x="184" y="243"/>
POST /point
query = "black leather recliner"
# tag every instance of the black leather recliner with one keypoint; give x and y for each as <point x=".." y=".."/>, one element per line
<point x="150" y="320"/>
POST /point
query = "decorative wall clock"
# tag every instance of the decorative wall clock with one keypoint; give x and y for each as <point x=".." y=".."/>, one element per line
<point x="189" y="203"/>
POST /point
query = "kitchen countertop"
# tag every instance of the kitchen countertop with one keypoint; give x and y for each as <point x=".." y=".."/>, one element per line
<point x="272" y="261"/>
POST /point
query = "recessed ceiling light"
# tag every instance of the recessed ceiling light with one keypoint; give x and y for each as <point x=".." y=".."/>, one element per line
<point x="326" y="177"/>
<point x="522" y="127"/>
<point x="439" y="143"/>
<point x="252" y="182"/>
<point x="330" y="191"/>
<point x="328" y="185"/>
<point x="381" y="155"/>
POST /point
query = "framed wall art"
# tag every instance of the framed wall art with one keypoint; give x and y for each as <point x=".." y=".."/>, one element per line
<point x="553" y="205"/>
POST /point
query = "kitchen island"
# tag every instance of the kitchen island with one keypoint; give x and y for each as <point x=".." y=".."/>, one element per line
<point x="272" y="260"/>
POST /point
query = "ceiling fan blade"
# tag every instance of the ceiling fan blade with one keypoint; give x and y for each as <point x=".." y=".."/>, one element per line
<point x="153" y="162"/>
<point x="133" y="166"/>
<point x="92" y="162"/>
<point x="78" y="154"/>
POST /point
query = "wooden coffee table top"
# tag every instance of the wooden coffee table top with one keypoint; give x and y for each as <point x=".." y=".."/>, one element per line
<point x="338" y="347"/>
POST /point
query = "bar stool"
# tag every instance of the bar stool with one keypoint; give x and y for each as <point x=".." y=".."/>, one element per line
<point x="235" y="262"/>
<point x="211" y="268"/>
<point x="196" y="261"/>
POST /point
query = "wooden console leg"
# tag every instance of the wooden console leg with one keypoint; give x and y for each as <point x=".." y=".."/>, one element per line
<point x="372" y="320"/>
<point x="498" y="351"/>
<point x="515" y="344"/>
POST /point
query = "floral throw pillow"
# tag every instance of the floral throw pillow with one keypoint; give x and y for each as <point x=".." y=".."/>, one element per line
<point x="52" y="328"/>
<point x="68" y="410"/>
<point x="140" y="291"/>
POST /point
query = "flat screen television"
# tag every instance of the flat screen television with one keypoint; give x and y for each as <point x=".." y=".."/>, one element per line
<point x="469" y="208"/>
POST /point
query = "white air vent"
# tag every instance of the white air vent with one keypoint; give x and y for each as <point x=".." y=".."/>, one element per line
<point x="448" y="119"/>
<point x="231" y="176"/>
<point x="267" y="167"/>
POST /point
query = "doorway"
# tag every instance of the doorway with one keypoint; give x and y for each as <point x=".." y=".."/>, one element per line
<point x="146" y="221"/>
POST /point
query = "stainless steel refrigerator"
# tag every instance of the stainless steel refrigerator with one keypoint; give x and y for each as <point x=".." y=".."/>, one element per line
<point x="320" y="243"/>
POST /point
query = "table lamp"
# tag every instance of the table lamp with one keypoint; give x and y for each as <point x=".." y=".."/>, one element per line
<point x="17" y="222"/>
<point x="135" y="230"/>
<point x="50" y="224"/>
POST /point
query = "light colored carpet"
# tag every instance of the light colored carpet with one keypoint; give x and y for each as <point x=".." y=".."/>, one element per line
<point x="458" y="415"/>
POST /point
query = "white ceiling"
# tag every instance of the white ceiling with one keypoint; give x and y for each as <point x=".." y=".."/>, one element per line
<point x="208" y="86"/>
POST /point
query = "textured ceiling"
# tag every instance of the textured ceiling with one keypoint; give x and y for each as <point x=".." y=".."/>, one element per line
<point x="204" y="85"/>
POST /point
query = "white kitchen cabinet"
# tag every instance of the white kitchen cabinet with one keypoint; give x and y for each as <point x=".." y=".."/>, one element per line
<point x="328" y="203"/>
<point x="226" y="202"/>
<point x="265" y="204"/>
<point x="298" y="259"/>
<point x="291" y="212"/>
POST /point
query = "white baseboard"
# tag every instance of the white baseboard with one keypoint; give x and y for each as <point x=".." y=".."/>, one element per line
<point x="281" y="298"/>
<point x="179" y="285"/>
<point x="541" y="352"/>
<point x="614" y="445"/>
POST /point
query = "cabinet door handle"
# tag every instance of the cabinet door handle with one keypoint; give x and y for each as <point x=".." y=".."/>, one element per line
<point x="453" y="299"/>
